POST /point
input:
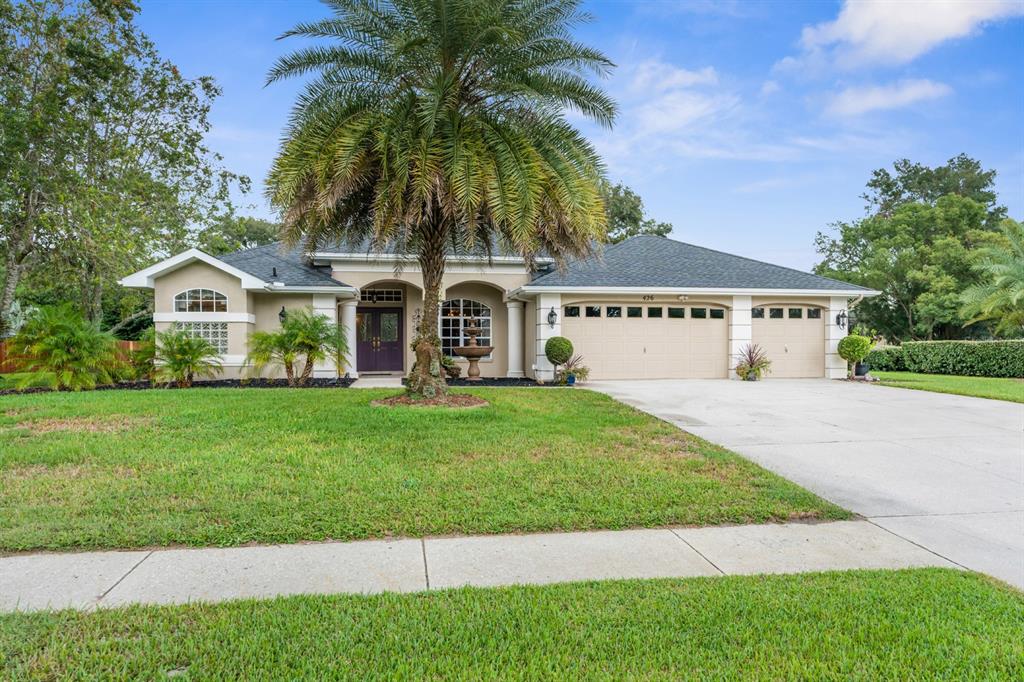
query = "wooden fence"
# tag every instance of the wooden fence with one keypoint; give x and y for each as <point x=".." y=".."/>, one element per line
<point x="11" y="363"/>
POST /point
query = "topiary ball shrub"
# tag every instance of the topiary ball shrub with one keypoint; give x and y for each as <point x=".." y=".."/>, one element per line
<point x="558" y="350"/>
<point x="854" y="348"/>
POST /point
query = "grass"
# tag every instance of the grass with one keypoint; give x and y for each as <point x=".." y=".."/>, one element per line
<point x="865" y="625"/>
<point x="979" y="387"/>
<point x="226" y="467"/>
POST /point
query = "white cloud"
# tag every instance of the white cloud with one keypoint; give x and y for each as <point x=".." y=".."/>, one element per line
<point x="657" y="76"/>
<point x="891" y="32"/>
<point x="854" y="101"/>
<point x="769" y="87"/>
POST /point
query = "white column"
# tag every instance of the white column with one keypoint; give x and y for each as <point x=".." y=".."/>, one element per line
<point x="740" y="330"/>
<point x="327" y="306"/>
<point x="545" y="302"/>
<point x="348" y="323"/>
<point x="515" y="338"/>
<point x="835" y="366"/>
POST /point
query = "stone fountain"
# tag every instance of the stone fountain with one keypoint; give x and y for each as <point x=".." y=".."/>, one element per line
<point x="473" y="352"/>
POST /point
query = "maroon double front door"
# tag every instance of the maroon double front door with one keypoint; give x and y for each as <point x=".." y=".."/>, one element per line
<point x="379" y="344"/>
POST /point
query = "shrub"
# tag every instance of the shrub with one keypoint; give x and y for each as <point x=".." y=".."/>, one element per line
<point x="181" y="357"/>
<point x="576" y="368"/>
<point x="889" y="359"/>
<point x="752" y="362"/>
<point x="143" y="358"/>
<point x="558" y="350"/>
<point x="966" y="358"/>
<point x="303" y="334"/>
<point x="60" y="348"/>
<point x="854" y="348"/>
<point x="450" y="367"/>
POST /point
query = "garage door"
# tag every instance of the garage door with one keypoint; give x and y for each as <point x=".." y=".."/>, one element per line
<point x="619" y="341"/>
<point x="794" y="339"/>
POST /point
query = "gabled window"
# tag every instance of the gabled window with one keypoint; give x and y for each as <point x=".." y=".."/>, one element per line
<point x="200" y="301"/>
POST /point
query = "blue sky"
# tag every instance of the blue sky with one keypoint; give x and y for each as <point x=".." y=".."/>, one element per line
<point x="748" y="126"/>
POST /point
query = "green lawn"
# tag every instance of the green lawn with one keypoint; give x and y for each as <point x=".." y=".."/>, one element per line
<point x="12" y="380"/>
<point x="233" y="466"/>
<point x="868" y="625"/>
<point x="979" y="387"/>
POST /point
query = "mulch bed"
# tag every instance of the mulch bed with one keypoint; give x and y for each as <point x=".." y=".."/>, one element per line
<point x="340" y="382"/>
<point x="498" y="382"/>
<point x="458" y="400"/>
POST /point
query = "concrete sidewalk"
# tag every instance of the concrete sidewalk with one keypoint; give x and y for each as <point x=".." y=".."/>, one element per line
<point x="104" y="579"/>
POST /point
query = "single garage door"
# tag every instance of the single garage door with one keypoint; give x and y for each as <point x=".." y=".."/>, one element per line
<point x="621" y="341"/>
<point x="793" y="337"/>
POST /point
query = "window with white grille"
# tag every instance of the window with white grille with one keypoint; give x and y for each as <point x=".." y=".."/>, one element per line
<point x="200" y="301"/>
<point x="214" y="332"/>
<point x="456" y="315"/>
<point x="381" y="296"/>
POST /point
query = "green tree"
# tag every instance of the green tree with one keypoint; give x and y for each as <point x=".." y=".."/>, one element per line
<point x="999" y="297"/>
<point x="103" y="161"/>
<point x="61" y="348"/>
<point x="233" y="233"/>
<point x="180" y="357"/>
<point x="429" y="124"/>
<point x="304" y="334"/>
<point x="626" y="217"/>
<point x="916" y="183"/>
<point x="919" y="257"/>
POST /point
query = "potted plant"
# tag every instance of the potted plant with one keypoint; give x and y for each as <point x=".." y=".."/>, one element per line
<point x="574" y="370"/>
<point x="752" y="362"/>
<point x="854" y="348"/>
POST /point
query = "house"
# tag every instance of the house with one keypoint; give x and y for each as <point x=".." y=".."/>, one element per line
<point x="648" y="307"/>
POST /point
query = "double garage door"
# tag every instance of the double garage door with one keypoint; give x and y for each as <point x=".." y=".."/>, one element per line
<point x="621" y="341"/>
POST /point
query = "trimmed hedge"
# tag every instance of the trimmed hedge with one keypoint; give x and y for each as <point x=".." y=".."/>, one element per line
<point x="964" y="358"/>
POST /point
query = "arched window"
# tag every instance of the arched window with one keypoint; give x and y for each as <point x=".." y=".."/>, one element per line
<point x="200" y="301"/>
<point x="456" y="314"/>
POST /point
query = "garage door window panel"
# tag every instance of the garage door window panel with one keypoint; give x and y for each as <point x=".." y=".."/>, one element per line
<point x="572" y="311"/>
<point x="757" y="313"/>
<point x="796" y="313"/>
<point x="699" y="313"/>
<point x="717" y="314"/>
<point x="677" y="313"/>
<point x="814" y="313"/>
<point x="613" y="311"/>
<point x="654" y="311"/>
<point x="775" y="313"/>
<point x="634" y="311"/>
<point x="593" y="311"/>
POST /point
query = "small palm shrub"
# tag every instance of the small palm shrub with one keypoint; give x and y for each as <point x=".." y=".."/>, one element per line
<point x="752" y="362"/>
<point x="58" y="347"/>
<point x="304" y="336"/>
<point x="854" y="348"/>
<point x="181" y="357"/>
<point x="143" y="358"/>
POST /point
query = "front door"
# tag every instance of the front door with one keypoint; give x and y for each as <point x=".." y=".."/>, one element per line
<point x="379" y="340"/>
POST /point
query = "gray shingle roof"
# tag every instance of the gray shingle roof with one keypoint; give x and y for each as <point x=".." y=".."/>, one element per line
<point x="292" y="268"/>
<point x="499" y="249"/>
<point x="650" y="261"/>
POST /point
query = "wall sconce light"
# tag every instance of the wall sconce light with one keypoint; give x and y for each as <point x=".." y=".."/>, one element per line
<point x="552" y="317"/>
<point x="283" y="315"/>
<point x="841" y="319"/>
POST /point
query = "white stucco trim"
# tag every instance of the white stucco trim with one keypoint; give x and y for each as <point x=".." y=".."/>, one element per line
<point x="204" y="317"/>
<point x="144" y="279"/>
<point x="536" y="290"/>
<point x="340" y="292"/>
<point x="232" y="360"/>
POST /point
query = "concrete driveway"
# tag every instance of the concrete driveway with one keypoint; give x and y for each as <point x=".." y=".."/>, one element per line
<point x="943" y="471"/>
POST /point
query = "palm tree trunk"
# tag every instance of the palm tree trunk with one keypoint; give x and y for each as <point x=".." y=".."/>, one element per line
<point x="307" y="371"/>
<point x="289" y="371"/>
<point x="427" y="378"/>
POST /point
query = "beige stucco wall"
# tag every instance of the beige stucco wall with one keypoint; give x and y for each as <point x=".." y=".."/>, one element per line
<point x="199" y="276"/>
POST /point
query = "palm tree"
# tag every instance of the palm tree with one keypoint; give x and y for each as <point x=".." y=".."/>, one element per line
<point x="303" y="334"/>
<point x="60" y="348"/>
<point x="431" y="125"/>
<point x="1001" y="296"/>
<point x="180" y="358"/>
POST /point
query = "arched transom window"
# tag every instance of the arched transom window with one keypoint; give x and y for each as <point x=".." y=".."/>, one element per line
<point x="456" y="315"/>
<point x="200" y="301"/>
